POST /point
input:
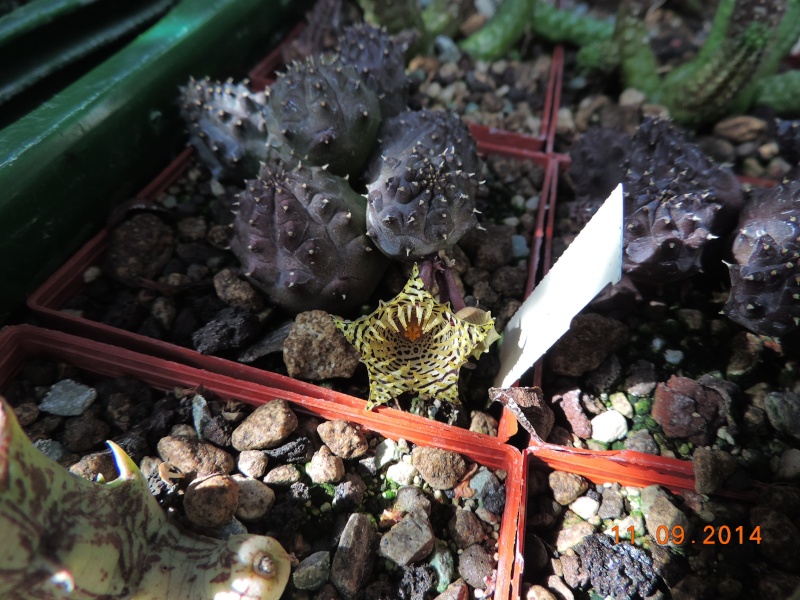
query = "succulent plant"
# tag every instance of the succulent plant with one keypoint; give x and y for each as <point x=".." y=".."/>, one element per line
<point x="765" y="281"/>
<point x="736" y="68"/>
<point x="300" y="236"/>
<point x="380" y="62"/>
<point x="66" y="537"/>
<point x="320" y="111"/>
<point x="422" y="184"/>
<point x="598" y="158"/>
<point x="676" y="201"/>
<point x="226" y="126"/>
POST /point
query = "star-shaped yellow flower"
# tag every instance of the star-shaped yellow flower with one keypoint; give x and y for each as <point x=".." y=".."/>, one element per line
<point x="413" y="344"/>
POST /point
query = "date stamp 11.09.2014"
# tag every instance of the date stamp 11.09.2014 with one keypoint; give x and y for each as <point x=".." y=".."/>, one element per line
<point x="711" y="535"/>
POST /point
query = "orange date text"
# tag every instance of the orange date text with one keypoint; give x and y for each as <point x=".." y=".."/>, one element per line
<point x="710" y="536"/>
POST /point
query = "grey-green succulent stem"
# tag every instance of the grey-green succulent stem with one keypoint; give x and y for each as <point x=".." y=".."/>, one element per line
<point x="445" y="17"/>
<point x="566" y="26"/>
<point x="779" y="92"/>
<point x="637" y="60"/>
<point x="784" y="38"/>
<point x="502" y="30"/>
<point x="64" y="536"/>
<point x="394" y="15"/>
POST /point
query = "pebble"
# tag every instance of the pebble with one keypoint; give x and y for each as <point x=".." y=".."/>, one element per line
<point x="237" y="292"/>
<point x="520" y="247"/>
<point x="789" y="465"/>
<point x="489" y="490"/>
<point x="441" y="559"/>
<point x="411" y="497"/>
<point x="402" y="473"/>
<point x="211" y="501"/>
<point x="283" y="476"/>
<point x="313" y="571"/>
<point x="84" y="433"/>
<point x="230" y="329"/>
<point x="26" y="413"/>
<point x="570" y="404"/>
<point x="253" y="463"/>
<point x="386" y="452"/>
<point x="255" y="499"/>
<point x="408" y="541"/>
<point x="343" y="439"/>
<point x="465" y="528"/>
<point x="97" y="464"/>
<point x="441" y="469"/>
<point x="609" y="426"/>
<point x="266" y="427"/>
<point x="740" y="128"/>
<point x="539" y="592"/>
<point x="585" y="507"/>
<point x="458" y="590"/>
<point x="353" y="560"/>
<point x="68" y="398"/>
<point x="51" y="449"/>
<point x="632" y="97"/>
<point x="572" y="536"/>
<point x="622" y="405"/>
<point x="475" y="565"/>
<point x="641" y="379"/>
<point x="641" y="440"/>
<point x="783" y="412"/>
<point x="484" y="423"/>
<point x="566" y="487"/>
<point x="189" y="455"/>
<point x="779" y="536"/>
<point x="316" y="350"/>
<point x="663" y="513"/>
<point x="612" y="504"/>
<point x="349" y="494"/>
<point x="711" y="468"/>
<point x="590" y="339"/>
<point x="325" y="467"/>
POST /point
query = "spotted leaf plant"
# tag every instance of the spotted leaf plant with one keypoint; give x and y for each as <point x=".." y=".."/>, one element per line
<point x="415" y="344"/>
<point x="66" y="537"/>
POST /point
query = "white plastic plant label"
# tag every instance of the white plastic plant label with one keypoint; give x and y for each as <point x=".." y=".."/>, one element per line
<point x="592" y="261"/>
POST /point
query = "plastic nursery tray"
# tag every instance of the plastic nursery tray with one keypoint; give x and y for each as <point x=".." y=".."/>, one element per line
<point x="263" y="75"/>
<point x="19" y="343"/>
<point x="46" y="302"/>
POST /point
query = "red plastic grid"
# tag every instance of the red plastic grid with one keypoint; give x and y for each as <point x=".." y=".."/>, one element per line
<point x="19" y="343"/>
<point x="50" y="297"/>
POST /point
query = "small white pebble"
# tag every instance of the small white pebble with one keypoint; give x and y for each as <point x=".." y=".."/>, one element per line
<point x="673" y="357"/>
<point x="657" y="344"/>
<point x="92" y="274"/>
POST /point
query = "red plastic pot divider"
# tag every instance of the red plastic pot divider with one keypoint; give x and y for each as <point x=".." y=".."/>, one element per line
<point x="22" y="342"/>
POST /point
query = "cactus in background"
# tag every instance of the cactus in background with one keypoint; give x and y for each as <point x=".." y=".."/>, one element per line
<point x="66" y="537"/>
<point x="226" y="126"/>
<point x="300" y="236"/>
<point x="676" y="201"/>
<point x="735" y="69"/>
<point x="422" y="184"/>
<point x="380" y="62"/>
<point x="321" y="112"/>
<point x="765" y="281"/>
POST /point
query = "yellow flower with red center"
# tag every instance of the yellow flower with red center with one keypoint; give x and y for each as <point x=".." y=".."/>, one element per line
<point x="414" y="344"/>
